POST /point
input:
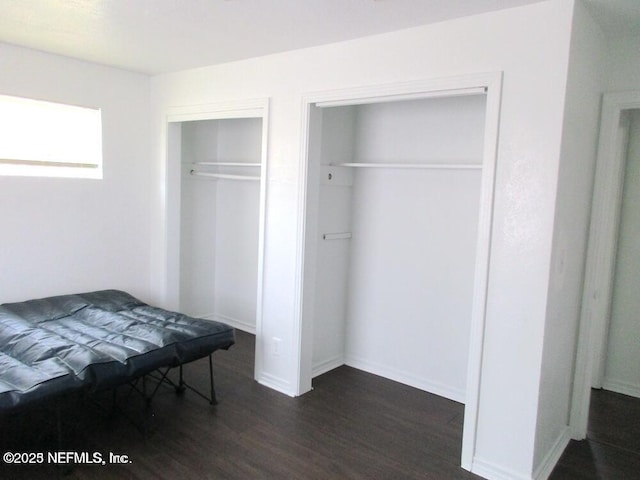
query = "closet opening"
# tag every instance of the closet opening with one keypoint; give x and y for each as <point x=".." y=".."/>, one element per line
<point x="398" y="200"/>
<point x="219" y="160"/>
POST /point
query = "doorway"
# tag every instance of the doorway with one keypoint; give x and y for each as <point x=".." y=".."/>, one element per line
<point x="607" y="320"/>
<point x="617" y="370"/>
<point x="216" y="191"/>
<point x="341" y="177"/>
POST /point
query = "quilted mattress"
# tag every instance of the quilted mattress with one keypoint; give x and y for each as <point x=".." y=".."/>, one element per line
<point x="92" y="341"/>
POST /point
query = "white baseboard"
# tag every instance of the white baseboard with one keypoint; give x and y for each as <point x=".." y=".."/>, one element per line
<point x="276" y="383"/>
<point x="492" y="471"/>
<point x="619" y="386"/>
<point x="232" y="322"/>
<point x="327" y="365"/>
<point x="550" y="460"/>
<point x="427" y="385"/>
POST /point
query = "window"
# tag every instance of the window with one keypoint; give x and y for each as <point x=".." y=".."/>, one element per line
<point x="46" y="139"/>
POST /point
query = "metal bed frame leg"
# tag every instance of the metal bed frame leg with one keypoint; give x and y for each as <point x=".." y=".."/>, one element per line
<point x="61" y="469"/>
<point x="59" y="424"/>
<point x="180" y="388"/>
<point x="214" y="400"/>
<point x="114" y="401"/>
<point x="182" y="385"/>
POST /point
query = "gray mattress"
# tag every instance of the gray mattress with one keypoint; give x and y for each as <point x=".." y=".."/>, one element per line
<point x="93" y="341"/>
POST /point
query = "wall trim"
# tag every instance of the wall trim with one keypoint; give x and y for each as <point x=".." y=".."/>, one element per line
<point x="421" y="383"/>
<point x="276" y="383"/>
<point x="618" y="386"/>
<point x="491" y="471"/>
<point x="550" y="460"/>
<point x="328" y="365"/>
<point x="233" y="322"/>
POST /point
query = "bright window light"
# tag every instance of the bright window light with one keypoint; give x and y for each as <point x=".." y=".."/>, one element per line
<point x="46" y="139"/>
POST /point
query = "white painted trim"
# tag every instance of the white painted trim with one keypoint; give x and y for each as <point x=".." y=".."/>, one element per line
<point x="491" y="471"/>
<point x="262" y="225"/>
<point x="481" y="281"/>
<point x="599" y="268"/>
<point x="276" y="383"/>
<point x="420" y="383"/>
<point x="234" y="322"/>
<point x="442" y="87"/>
<point x="250" y="108"/>
<point x="619" y="386"/>
<point x="328" y="365"/>
<point x="552" y="457"/>
<point x="302" y="330"/>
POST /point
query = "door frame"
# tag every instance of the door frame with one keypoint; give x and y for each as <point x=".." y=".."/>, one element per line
<point x="251" y="108"/>
<point x="491" y="85"/>
<point x="601" y="254"/>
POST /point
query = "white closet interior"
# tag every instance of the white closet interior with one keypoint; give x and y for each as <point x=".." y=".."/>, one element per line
<point x="395" y="220"/>
<point x="220" y="191"/>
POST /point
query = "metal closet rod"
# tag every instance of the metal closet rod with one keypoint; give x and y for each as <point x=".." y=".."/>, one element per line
<point x="426" y="166"/>
<point x="227" y="164"/>
<point x="225" y="176"/>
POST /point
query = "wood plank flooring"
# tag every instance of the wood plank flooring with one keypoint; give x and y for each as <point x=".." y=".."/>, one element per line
<point x="612" y="448"/>
<point x="353" y="425"/>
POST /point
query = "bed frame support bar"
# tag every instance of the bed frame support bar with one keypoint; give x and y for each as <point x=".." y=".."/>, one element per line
<point x="181" y="386"/>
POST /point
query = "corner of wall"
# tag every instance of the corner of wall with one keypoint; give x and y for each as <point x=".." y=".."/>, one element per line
<point x="573" y="200"/>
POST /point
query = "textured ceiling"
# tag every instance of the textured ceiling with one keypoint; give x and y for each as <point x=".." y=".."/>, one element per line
<point x="156" y="36"/>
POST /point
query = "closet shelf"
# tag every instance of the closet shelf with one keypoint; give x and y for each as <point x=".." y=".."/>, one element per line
<point x="432" y="166"/>
<point x="226" y="164"/>
<point x="224" y="176"/>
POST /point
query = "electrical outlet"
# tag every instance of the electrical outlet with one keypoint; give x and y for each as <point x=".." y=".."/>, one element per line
<point x="276" y="346"/>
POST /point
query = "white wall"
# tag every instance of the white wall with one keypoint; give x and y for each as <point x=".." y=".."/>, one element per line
<point x="623" y="64"/>
<point x="237" y="224"/>
<point x="197" y="220"/>
<point x="219" y="222"/>
<point x="575" y="182"/>
<point x="623" y="350"/>
<point x="335" y="133"/>
<point x="411" y="276"/>
<point x="531" y="46"/>
<point x="331" y="289"/>
<point x="72" y="235"/>
<point x="436" y="130"/>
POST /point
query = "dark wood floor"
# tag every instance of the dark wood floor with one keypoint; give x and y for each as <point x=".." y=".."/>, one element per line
<point x="353" y="425"/>
<point x="612" y="448"/>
